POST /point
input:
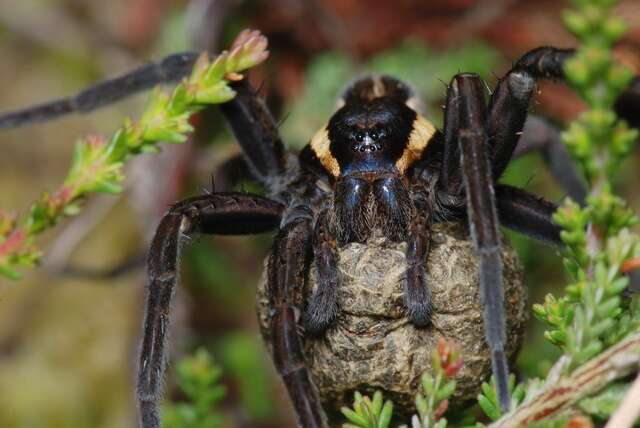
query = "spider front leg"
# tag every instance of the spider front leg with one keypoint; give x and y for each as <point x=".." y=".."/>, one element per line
<point x="217" y="214"/>
<point x="288" y="266"/>
<point x="506" y="122"/>
<point x="510" y="101"/>
<point x="467" y="92"/>
<point x="170" y="69"/>
<point x="256" y="132"/>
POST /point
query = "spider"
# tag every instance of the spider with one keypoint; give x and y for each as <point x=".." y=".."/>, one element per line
<point x="378" y="166"/>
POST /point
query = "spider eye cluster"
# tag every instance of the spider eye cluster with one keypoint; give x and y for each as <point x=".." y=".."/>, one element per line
<point x="375" y="135"/>
<point x="368" y="141"/>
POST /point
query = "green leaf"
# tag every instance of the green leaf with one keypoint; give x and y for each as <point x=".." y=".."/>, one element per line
<point x="354" y="417"/>
<point x="386" y="414"/>
<point x="446" y="391"/>
<point x="215" y="94"/>
<point x="489" y="408"/>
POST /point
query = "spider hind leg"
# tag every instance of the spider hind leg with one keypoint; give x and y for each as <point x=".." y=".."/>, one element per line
<point x="217" y="213"/>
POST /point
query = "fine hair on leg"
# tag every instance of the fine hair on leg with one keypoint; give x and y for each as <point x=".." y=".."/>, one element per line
<point x="217" y="213"/>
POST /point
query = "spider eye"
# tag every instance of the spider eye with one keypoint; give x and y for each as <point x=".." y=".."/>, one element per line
<point x="359" y="137"/>
<point x="374" y="135"/>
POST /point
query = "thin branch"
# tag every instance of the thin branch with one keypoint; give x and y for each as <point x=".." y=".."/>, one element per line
<point x="97" y="162"/>
<point x="553" y="399"/>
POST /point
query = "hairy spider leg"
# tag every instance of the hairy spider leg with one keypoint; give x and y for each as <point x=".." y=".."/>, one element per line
<point x="322" y="307"/>
<point x="540" y="135"/>
<point x="511" y="97"/>
<point x="509" y="134"/>
<point x="417" y="294"/>
<point x="518" y="209"/>
<point x="170" y="69"/>
<point x="248" y="117"/>
<point x="288" y="265"/>
<point x="256" y="132"/>
<point x="528" y="214"/>
<point x="263" y="150"/>
<point x="508" y="111"/>
<point x="450" y="180"/>
<point x="214" y="214"/>
<point x="627" y="106"/>
<point x="468" y="91"/>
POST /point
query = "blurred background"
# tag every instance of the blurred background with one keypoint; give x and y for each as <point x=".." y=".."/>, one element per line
<point x="69" y="330"/>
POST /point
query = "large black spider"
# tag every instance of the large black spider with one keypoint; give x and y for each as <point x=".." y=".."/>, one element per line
<point x="378" y="166"/>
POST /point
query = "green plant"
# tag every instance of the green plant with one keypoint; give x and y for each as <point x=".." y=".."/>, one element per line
<point x="97" y="164"/>
<point x="593" y="314"/>
<point x="368" y="413"/>
<point x="437" y="387"/>
<point x="488" y="399"/>
<point x="199" y="379"/>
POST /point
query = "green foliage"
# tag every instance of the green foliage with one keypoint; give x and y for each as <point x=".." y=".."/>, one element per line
<point x="437" y="387"/>
<point x="593" y="314"/>
<point x="368" y="413"/>
<point x="488" y="397"/>
<point x="199" y="379"/>
<point x="242" y="355"/>
<point x="97" y="163"/>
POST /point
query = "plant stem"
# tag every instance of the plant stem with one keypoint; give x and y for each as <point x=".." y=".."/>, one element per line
<point x="560" y="395"/>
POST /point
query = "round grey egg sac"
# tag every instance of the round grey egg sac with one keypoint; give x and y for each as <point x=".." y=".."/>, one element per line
<point x="372" y="345"/>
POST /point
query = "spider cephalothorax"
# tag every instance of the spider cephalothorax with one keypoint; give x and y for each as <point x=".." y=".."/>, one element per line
<point x="378" y="169"/>
<point x="366" y="150"/>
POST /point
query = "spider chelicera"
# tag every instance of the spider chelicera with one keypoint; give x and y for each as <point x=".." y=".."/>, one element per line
<point x="378" y="166"/>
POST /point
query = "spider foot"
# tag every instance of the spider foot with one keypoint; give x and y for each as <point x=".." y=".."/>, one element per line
<point x="419" y="307"/>
<point x="320" y="312"/>
<point x="501" y="376"/>
<point x="417" y="295"/>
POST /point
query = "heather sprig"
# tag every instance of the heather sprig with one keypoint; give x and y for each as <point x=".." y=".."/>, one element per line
<point x="367" y="412"/>
<point x="97" y="164"/>
<point x="593" y="313"/>
<point x="488" y="397"/>
<point x="199" y="379"/>
<point x="437" y="387"/>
